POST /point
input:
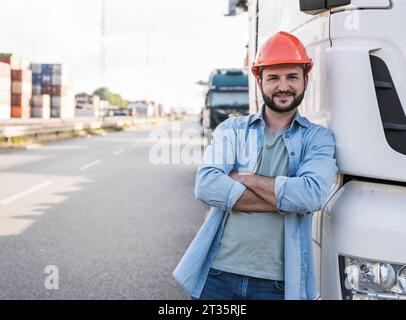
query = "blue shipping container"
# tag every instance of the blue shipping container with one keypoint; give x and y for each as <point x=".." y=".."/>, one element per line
<point x="46" y="68"/>
<point x="46" y="79"/>
<point x="36" y="78"/>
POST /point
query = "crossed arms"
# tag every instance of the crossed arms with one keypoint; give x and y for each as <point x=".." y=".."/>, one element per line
<point x="218" y="186"/>
<point x="259" y="195"/>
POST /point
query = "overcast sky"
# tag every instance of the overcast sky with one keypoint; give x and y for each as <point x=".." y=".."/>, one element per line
<point x="155" y="49"/>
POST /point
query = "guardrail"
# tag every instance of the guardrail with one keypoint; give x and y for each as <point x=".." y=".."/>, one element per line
<point x="35" y="127"/>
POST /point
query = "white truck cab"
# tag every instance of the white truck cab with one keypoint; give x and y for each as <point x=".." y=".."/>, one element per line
<point x="357" y="88"/>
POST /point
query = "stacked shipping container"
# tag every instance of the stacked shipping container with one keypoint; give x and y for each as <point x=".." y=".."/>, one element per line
<point x="41" y="92"/>
<point x="53" y="80"/>
<point x="41" y="106"/>
<point x="5" y="96"/>
<point x="21" y="90"/>
<point x="21" y="86"/>
<point x="88" y="105"/>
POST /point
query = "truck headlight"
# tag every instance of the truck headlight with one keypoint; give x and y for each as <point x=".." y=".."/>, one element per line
<point x="402" y="279"/>
<point x="365" y="279"/>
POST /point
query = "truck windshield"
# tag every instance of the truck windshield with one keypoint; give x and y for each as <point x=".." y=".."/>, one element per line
<point x="228" y="99"/>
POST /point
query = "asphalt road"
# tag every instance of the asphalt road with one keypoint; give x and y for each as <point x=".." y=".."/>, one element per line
<point x="96" y="218"/>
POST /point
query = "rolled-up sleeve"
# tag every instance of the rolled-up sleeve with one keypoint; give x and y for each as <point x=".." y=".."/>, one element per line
<point x="279" y="187"/>
<point x="308" y="191"/>
<point x="213" y="184"/>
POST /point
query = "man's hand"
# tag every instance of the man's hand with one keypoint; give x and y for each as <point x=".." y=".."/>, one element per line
<point x="250" y="202"/>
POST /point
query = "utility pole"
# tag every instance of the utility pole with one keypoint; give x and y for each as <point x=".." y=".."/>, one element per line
<point x="147" y="40"/>
<point x="102" y="53"/>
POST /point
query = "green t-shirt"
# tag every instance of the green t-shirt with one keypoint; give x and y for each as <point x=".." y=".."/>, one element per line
<point x="252" y="243"/>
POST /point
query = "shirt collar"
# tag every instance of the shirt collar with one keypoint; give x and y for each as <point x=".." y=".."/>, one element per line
<point x="298" y="118"/>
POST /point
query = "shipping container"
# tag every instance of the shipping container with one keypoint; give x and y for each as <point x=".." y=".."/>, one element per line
<point x="21" y="75"/>
<point x="16" y="99"/>
<point x="20" y="100"/>
<point x="46" y="68"/>
<point x="46" y="78"/>
<point x="37" y="78"/>
<point x="19" y="87"/>
<point x="5" y="91"/>
<point x="15" y="62"/>
<point x="56" y="101"/>
<point x="5" y="70"/>
<point x="57" y="69"/>
<point x="62" y="80"/>
<point x="36" y="68"/>
<point x="55" y="113"/>
<point x="5" y="104"/>
<point x="20" y="105"/>
<point x="40" y="100"/>
<point x="58" y="91"/>
<point x="55" y="81"/>
<point x="38" y="112"/>
<point x="64" y="104"/>
<point x="36" y="89"/>
<point x="20" y="112"/>
<point x="16" y="112"/>
<point x="41" y="106"/>
<point x="46" y="89"/>
<point x="16" y="83"/>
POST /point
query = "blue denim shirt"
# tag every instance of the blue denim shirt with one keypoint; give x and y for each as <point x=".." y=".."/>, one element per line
<point x="236" y="146"/>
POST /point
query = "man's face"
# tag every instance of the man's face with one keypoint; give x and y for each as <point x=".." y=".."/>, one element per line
<point x="283" y="87"/>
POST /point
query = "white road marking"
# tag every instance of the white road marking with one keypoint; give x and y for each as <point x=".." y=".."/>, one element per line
<point x="27" y="192"/>
<point x="118" y="152"/>
<point x="91" y="164"/>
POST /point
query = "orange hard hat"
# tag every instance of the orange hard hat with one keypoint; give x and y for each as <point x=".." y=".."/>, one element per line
<point x="281" y="48"/>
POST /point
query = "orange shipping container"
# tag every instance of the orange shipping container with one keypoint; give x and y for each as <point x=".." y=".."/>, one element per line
<point x="20" y="112"/>
<point x="20" y="100"/>
<point x="21" y="75"/>
<point x="16" y="112"/>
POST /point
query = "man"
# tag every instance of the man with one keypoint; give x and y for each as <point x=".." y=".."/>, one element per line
<point x="265" y="175"/>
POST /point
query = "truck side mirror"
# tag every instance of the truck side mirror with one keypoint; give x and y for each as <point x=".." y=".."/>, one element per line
<point x="234" y="7"/>
<point x="313" y="6"/>
<point x="337" y="3"/>
<point x="317" y="6"/>
<point x="206" y="102"/>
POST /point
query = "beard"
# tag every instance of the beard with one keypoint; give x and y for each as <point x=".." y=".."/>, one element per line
<point x="269" y="101"/>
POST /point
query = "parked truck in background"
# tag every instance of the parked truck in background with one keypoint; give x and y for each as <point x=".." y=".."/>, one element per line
<point x="227" y="96"/>
<point x="357" y="88"/>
